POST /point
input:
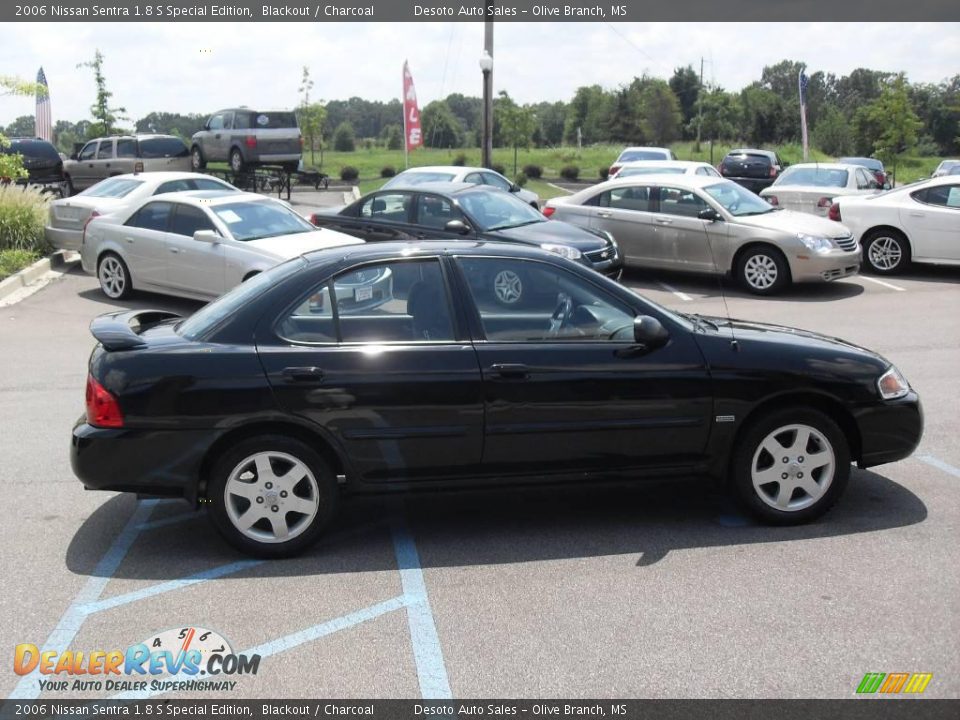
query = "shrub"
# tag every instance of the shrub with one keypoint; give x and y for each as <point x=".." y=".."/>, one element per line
<point x="604" y="173"/>
<point x="349" y="173"/>
<point x="388" y="171"/>
<point x="521" y="179"/>
<point x="533" y="171"/>
<point x="12" y="261"/>
<point x="570" y="172"/>
<point x="497" y="167"/>
<point x="23" y="213"/>
<point x="460" y="160"/>
<point x="344" y="139"/>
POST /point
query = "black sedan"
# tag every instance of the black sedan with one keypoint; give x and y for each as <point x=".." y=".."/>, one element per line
<point x="462" y="211"/>
<point x="261" y="400"/>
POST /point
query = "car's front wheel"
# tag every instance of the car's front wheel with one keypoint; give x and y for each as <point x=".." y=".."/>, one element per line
<point x="271" y="496"/>
<point x="762" y="270"/>
<point x="196" y="158"/>
<point x="886" y="252"/>
<point x="114" y="277"/>
<point x="791" y="466"/>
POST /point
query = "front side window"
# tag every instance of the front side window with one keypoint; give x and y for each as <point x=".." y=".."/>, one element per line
<point x="152" y="216"/>
<point x="401" y="301"/>
<point x="434" y="211"/>
<point x="106" y="150"/>
<point x="216" y="123"/>
<point x="387" y="206"/>
<point x="187" y="220"/>
<point x="680" y="201"/>
<point x="88" y="152"/>
<point x="532" y="302"/>
<point x="497" y="181"/>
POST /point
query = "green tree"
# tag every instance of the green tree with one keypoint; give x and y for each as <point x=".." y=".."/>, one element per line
<point x="893" y="113"/>
<point x="441" y="129"/>
<point x="659" y="113"/>
<point x="516" y="125"/>
<point x="685" y="84"/>
<point x="763" y="114"/>
<point x="311" y="117"/>
<point x="832" y="133"/>
<point x="23" y="126"/>
<point x="392" y="137"/>
<point x="11" y="166"/>
<point x="344" y="138"/>
<point x="589" y="112"/>
<point x="105" y="117"/>
<point x="721" y="115"/>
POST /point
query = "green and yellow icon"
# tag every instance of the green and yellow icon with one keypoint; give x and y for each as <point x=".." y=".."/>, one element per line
<point x="892" y="683"/>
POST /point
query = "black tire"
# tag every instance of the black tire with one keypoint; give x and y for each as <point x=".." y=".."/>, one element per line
<point x="197" y="160"/>
<point x="238" y="457"/>
<point x="749" y="448"/>
<point x="114" y="276"/>
<point x="886" y="252"/>
<point x="754" y="262"/>
<point x="70" y="191"/>
<point x="237" y="163"/>
<point x="291" y="167"/>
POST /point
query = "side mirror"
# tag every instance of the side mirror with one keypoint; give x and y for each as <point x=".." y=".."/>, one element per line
<point x="73" y="156"/>
<point x="207" y="236"/>
<point x="514" y="188"/>
<point x="457" y="226"/>
<point x="649" y="332"/>
<point x="710" y="215"/>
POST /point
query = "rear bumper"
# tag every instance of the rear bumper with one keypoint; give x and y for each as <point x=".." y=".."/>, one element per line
<point x="63" y="238"/>
<point x="890" y="431"/>
<point x="151" y="462"/>
<point x="274" y="158"/>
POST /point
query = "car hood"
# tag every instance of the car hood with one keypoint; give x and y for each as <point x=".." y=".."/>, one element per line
<point x="555" y="231"/>
<point x="792" y="222"/>
<point x="289" y="246"/>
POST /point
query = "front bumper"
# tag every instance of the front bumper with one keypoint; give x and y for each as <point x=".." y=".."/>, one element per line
<point x="607" y="262"/>
<point x="836" y="264"/>
<point x="63" y="238"/>
<point x="890" y="430"/>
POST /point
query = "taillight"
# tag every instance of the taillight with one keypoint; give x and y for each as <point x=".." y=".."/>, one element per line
<point x="880" y="178"/>
<point x="548" y="211"/>
<point x="834" y="212"/>
<point x="773" y="171"/>
<point x="722" y="169"/>
<point x="313" y="219"/>
<point x="137" y="167"/>
<point x="251" y="141"/>
<point x="301" y="141"/>
<point x="83" y="238"/>
<point x="103" y="410"/>
<point x="772" y="199"/>
<point x="614" y="169"/>
<point x="824" y="202"/>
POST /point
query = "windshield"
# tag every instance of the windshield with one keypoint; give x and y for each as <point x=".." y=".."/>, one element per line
<point x="632" y="155"/>
<point x="112" y="188"/>
<point x="815" y="176"/>
<point x="630" y="171"/>
<point x="494" y="210"/>
<point x="260" y="219"/>
<point x="737" y="200"/>
<point x="418" y="178"/>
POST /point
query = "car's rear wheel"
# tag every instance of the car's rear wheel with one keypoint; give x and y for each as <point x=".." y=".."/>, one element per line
<point x="70" y="191"/>
<point x="236" y="160"/>
<point x="114" y="277"/>
<point x="791" y="466"/>
<point x="271" y="496"/>
<point x="886" y="251"/>
<point x="763" y="270"/>
<point x="196" y="158"/>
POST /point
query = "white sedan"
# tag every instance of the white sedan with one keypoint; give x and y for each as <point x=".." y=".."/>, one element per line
<point x="455" y="173"/>
<point x="914" y="223"/>
<point x="67" y="216"/>
<point x="812" y="187"/>
<point x="665" y="167"/>
<point x="197" y="244"/>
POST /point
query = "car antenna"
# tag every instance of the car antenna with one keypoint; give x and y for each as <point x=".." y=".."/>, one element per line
<point x="734" y="345"/>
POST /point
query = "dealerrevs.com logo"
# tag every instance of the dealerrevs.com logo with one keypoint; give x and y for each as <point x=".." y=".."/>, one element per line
<point x="188" y="658"/>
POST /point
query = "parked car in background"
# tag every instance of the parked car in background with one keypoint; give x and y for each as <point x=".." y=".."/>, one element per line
<point x="915" y="223"/>
<point x="243" y="137"/>
<point x="812" y="187"/>
<point x="665" y="167"/>
<point x="752" y="168"/>
<point x="945" y="167"/>
<point x="196" y="244"/>
<point x="711" y="225"/>
<point x="255" y="404"/>
<point x="460" y="211"/>
<point x="68" y="216"/>
<point x="634" y="154"/>
<point x="455" y="173"/>
<point x="121" y="154"/>
<point x="873" y="165"/>
<point x="41" y="160"/>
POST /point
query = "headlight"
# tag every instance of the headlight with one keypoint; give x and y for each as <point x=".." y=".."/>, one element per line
<point x="892" y="384"/>
<point x="815" y="243"/>
<point x="570" y="253"/>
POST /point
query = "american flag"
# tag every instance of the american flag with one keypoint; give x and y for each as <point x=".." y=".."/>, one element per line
<point x="43" y="120"/>
<point x="803" y="82"/>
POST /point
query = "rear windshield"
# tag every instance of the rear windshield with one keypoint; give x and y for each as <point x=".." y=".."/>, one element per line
<point x="112" y="188"/>
<point x="209" y="316"/>
<point x="752" y="156"/>
<point x="865" y="162"/>
<point x="33" y="149"/>
<point x="627" y="172"/>
<point x="816" y="177"/>
<point x="632" y="155"/>
<point x="274" y="120"/>
<point x="153" y="148"/>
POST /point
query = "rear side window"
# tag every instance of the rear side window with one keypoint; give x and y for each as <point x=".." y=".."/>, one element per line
<point x="153" y="148"/>
<point x="126" y="148"/>
<point x="387" y="206"/>
<point x="241" y="121"/>
<point x="185" y="184"/>
<point x="187" y="220"/>
<point x="942" y="195"/>
<point x="152" y="216"/>
<point x="275" y="120"/>
<point x="113" y="188"/>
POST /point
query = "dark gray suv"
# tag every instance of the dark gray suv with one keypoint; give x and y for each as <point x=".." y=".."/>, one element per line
<point x="243" y="137"/>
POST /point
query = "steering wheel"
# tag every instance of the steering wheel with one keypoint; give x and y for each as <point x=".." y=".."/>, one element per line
<point x="561" y="314"/>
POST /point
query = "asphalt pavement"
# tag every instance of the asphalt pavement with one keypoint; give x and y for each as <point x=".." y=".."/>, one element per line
<point x="662" y="590"/>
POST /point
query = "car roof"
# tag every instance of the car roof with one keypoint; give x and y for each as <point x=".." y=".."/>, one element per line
<point x="674" y="180"/>
<point x="665" y="163"/>
<point x="644" y="147"/>
<point x="452" y="169"/>
<point x="137" y="136"/>
<point x="207" y="198"/>
<point x="407" y="248"/>
<point x="165" y="175"/>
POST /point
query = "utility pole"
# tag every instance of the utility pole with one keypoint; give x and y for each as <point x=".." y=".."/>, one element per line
<point x="486" y="65"/>
<point x="700" y="105"/>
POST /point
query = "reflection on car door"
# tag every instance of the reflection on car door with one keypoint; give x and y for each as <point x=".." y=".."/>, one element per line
<point x="194" y="266"/>
<point x="431" y="215"/>
<point x="933" y="221"/>
<point x="381" y="216"/>
<point x="143" y="239"/>
<point x="565" y="387"/>
<point x="390" y="376"/>
<point x="625" y="212"/>
<point x="684" y="241"/>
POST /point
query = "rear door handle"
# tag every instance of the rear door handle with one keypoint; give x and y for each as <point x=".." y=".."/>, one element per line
<point x="916" y="214"/>
<point x="174" y="250"/>
<point x="663" y="221"/>
<point x="604" y="214"/>
<point x="510" y="370"/>
<point x="303" y="374"/>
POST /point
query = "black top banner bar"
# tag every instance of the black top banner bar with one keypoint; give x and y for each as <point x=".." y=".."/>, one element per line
<point x="497" y="10"/>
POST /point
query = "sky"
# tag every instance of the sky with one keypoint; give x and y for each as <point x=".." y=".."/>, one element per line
<point x="202" y="67"/>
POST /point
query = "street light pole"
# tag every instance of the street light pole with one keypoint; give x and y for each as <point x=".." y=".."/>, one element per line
<point x="486" y="65"/>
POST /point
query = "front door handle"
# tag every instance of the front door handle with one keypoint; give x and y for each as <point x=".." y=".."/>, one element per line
<point x="174" y="250"/>
<point x="916" y="214"/>
<point x="303" y="374"/>
<point x="604" y="214"/>
<point x="663" y="221"/>
<point x="510" y="370"/>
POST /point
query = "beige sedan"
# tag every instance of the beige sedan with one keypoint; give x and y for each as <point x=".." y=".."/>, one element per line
<point x="711" y="225"/>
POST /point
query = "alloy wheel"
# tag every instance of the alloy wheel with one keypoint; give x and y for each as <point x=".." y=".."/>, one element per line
<point x="760" y="272"/>
<point x="271" y="497"/>
<point x="885" y="253"/>
<point x="793" y="467"/>
<point x="508" y="287"/>
<point x="113" y="277"/>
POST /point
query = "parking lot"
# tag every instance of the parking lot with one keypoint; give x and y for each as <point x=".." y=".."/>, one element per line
<point x="660" y="590"/>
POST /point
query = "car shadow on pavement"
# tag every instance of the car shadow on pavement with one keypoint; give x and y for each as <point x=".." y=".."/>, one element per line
<point x="143" y="301"/>
<point x="489" y="527"/>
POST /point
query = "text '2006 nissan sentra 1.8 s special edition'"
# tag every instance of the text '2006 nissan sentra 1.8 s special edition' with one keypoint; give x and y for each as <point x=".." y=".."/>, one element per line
<point x="393" y="366"/>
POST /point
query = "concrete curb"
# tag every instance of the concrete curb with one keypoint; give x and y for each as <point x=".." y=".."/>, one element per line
<point x="30" y="274"/>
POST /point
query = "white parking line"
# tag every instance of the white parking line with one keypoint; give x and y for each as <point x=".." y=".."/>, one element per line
<point x="671" y="289"/>
<point x="883" y="282"/>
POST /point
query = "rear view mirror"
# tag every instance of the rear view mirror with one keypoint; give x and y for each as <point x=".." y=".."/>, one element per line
<point x="649" y="332"/>
<point x="207" y="236"/>
<point x="709" y="214"/>
<point x="457" y="226"/>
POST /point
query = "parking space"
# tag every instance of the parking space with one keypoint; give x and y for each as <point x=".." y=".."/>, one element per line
<point x="659" y="590"/>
